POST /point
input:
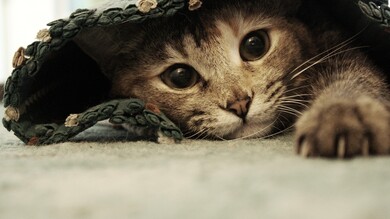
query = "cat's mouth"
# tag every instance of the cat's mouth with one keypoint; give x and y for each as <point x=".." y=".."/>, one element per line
<point x="251" y="129"/>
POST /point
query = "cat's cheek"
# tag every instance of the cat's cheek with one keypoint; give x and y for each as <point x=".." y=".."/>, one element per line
<point x="227" y="125"/>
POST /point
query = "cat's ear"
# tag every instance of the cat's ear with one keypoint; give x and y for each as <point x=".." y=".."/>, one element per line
<point x="104" y="45"/>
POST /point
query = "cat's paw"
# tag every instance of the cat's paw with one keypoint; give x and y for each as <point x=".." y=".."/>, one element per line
<point x="344" y="128"/>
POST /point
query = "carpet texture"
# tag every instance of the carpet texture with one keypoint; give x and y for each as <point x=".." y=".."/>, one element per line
<point x="195" y="179"/>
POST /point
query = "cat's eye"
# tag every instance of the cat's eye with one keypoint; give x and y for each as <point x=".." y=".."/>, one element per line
<point x="254" y="45"/>
<point x="180" y="76"/>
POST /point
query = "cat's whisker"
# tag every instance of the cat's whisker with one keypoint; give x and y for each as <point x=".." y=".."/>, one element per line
<point x="295" y="88"/>
<point x="278" y="133"/>
<point x="205" y="134"/>
<point x="327" y="52"/>
<point x="306" y="102"/>
<point x="256" y="133"/>
<point x="330" y="50"/>
<point x="213" y="137"/>
<point x="202" y="135"/>
<point x="191" y="133"/>
<point x="220" y="138"/>
<point x="297" y="95"/>
<point x="302" y="97"/>
<point x="294" y="102"/>
<point x="291" y="98"/>
<point x="287" y="129"/>
<point x="270" y="135"/>
<point x="290" y="113"/>
<point x="290" y="109"/>
<point x="313" y="61"/>
<point x="280" y="120"/>
<point x="330" y="55"/>
<point x="196" y="134"/>
<point x="283" y="117"/>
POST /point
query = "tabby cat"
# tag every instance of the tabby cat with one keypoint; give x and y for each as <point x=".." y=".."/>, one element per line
<point x="252" y="69"/>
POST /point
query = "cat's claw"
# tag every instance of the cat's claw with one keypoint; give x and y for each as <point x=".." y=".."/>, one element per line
<point x="366" y="147"/>
<point x="305" y="149"/>
<point x="344" y="129"/>
<point x="341" y="147"/>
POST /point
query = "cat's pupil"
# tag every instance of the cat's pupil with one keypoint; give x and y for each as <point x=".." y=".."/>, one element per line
<point x="180" y="77"/>
<point x="254" y="46"/>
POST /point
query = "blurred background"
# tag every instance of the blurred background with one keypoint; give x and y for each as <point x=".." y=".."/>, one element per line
<point x="20" y="21"/>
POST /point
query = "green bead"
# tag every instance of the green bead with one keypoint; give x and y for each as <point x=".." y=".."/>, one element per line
<point x="177" y="135"/>
<point x="7" y="124"/>
<point x="167" y="134"/>
<point x="152" y="119"/>
<point x="117" y="120"/>
<point x="141" y="120"/>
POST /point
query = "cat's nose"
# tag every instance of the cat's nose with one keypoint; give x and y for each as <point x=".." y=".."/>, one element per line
<point x="240" y="107"/>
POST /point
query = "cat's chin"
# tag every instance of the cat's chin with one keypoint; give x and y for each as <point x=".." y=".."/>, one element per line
<point x="250" y="130"/>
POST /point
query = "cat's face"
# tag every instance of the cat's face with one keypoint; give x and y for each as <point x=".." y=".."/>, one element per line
<point x="230" y="77"/>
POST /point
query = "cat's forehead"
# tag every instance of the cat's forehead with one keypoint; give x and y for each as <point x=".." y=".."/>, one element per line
<point x="205" y="38"/>
<point x="217" y="38"/>
<point x="213" y="19"/>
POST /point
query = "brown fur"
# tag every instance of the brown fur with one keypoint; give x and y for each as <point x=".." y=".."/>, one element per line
<point x="312" y="74"/>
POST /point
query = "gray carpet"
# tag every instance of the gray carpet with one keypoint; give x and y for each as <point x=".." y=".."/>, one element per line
<point x="196" y="179"/>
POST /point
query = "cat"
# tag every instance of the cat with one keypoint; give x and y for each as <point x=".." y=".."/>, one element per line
<point x="252" y="69"/>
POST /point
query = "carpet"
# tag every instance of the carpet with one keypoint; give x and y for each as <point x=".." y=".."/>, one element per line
<point x="96" y="176"/>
